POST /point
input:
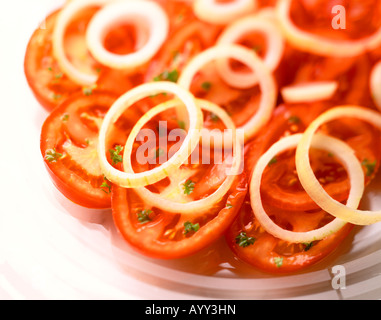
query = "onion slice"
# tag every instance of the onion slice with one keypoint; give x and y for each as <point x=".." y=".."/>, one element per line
<point x="246" y="56"/>
<point x="260" y="23"/>
<point x="309" y="92"/>
<point x="342" y="151"/>
<point x="308" y="179"/>
<point x="375" y="84"/>
<point x="137" y="12"/>
<point x="191" y="207"/>
<point x="195" y="116"/>
<point x="222" y="13"/>
<point x="306" y="41"/>
<point x="66" y="15"/>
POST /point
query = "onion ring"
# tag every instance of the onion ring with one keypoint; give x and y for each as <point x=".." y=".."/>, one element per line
<point x="254" y="23"/>
<point x="195" y="116"/>
<point x="342" y="151"/>
<point x="248" y="57"/>
<point x="306" y="174"/>
<point x="306" y="41"/>
<point x="309" y="92"/>
<point x="132" y="11"/>
<point x="63" y="20"/>
<point x="222" y="13"/>
<point x="197" y="206"/>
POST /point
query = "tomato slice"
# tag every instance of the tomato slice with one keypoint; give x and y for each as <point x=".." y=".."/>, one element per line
<point x="69" y="139"/>
<point x="281" y="186"/>
<point x="160" y="234"/>
<point x="185" y="41"/>
<point x="252" y="244"/>
<point x="50" y="85"/>
<point x="362" y="18"/>
<point x="284" y="198"/>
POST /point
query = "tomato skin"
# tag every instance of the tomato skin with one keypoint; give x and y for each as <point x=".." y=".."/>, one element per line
<point x="49" y="84"/>
<point x="38" y="67"/>
<point x="262" y="254"/>
<point x="77" y="185"/>
<point x="147" y="239"/>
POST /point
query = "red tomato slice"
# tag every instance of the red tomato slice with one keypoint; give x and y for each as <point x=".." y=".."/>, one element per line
<point x="69" y="139"/>
<point x="362" y="18"/>
<point x="281" y="186"/>
<point x="160" y="234"/>
<point x="252" y="244"/>
<point x="284" y="198"/>
<point x="50" y="85"/>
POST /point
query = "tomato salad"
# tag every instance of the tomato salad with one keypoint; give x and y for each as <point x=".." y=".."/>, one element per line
<point x="250" y="120"/>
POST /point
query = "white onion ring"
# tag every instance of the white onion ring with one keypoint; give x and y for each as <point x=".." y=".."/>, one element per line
<point x="65" y="16"/>
<point x="308" y="179"/>
<point x="137" y="12"/>
<point x="263" y="24"/>
<point x="197" y="206"/>
<point x="375" y="84"/>
<point x="309" y="92"/>
<point x="306" y="41"/>
<point x="222" y="13"/>
<point x="248" y="57"/>
<point x="195" y="116"/>
<point x="342" y="151"/>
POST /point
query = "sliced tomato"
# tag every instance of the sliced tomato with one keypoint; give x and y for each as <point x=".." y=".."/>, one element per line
<point x="185" y="41"/>
<point x="284" y="199"/>
<point x="281" y="186"/>
<point x="47" y="81"/>
<point x="69" y="139"/>
<point x="49" y="85"/>
<point x="163" y="234"/>
<point x="362" y="18"/>
<point x="252" y="244"/>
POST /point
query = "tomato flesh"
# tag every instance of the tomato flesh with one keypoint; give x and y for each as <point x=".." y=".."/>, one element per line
<point x="69" y="139"/>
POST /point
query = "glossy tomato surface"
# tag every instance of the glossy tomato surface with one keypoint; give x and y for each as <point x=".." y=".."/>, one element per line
<point x="69" y="141"/>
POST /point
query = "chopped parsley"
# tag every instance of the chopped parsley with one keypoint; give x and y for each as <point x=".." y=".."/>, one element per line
<point x="229" y="205"/>
<point x="189" y="227"/>
<point x="65" y="117"/>
<point x="308" y="246"/>
<point x="181" y="124"/>
<point x="214" y="117"/>
<point x="206" y="85"/>
<point x="370" y="166"/>
<point x="272" y="161"/>
<point x="116" y="157"/>
<point x="107" y="186"/>
<point x="159" y="152"/>
<point x="56" y="96"/>
<point x="166" y="75"/>
<point x="243" y="240"/>
<point x="143" y="216"/>
<point x="188" y="187"/>
<point x="294" y="119"/>
<point x="52" y="155"/>
<point x="278" y="261"/>
<point x="88" y="91"/>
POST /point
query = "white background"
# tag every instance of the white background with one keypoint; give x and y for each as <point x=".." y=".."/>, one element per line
<point x="51" y="249"/>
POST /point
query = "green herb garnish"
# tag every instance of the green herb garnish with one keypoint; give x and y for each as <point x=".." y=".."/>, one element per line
<point x="188" y="187"/>
<point x="243" y="240"/>
<point x="189" y="227"/>
<point x="116" y="157"/>
<point x="143" y="216"/>
<point x="52" y="155"/>
<point x="166" y="75"/>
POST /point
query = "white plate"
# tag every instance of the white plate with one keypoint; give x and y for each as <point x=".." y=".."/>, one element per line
<point x="53" y="249"/>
